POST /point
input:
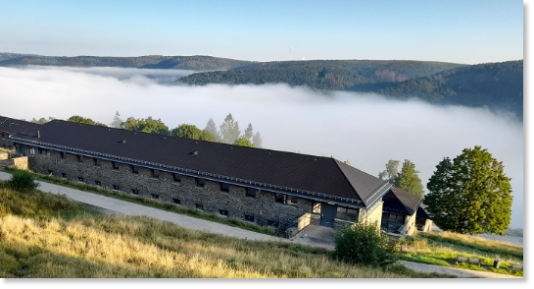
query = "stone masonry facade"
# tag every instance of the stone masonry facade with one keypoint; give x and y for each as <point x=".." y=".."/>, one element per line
<point x="210" y="196"/>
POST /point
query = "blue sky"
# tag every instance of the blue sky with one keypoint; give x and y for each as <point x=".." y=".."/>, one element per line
<point x="473" y="31"/>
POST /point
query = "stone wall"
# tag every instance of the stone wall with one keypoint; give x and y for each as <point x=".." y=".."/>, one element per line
<point x="409" y="225"/>
<point x="261" y="209"/>
<point x="4" y="155"/>
<point x="20" y="163"/>
<point x="372" y="214"/>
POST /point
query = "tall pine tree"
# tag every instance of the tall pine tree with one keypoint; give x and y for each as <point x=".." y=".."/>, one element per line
<point x="408" y="179"/>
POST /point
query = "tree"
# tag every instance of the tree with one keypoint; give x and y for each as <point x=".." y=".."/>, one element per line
<point x="42" y="120"/>
<point x="470" y="194"/>
<point x="256" y="140"/>
<point x="408" y="179"/>
<point x="229" y="130"/>
<point x="147" y="125"/>
<point x="211" y="127"/>
<point x="249" y="132"/>
<point x="192" y="132"/>
<point x="117" y="121"/>
<point x="363" y="243"/>
<point x="243" y="142"/>
<point x="391" y="173"/>
<point x="80" y="119"/>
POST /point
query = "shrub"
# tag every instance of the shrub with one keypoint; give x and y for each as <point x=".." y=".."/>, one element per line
<point x="363" y="243"/>
<point x="22" y="181"/>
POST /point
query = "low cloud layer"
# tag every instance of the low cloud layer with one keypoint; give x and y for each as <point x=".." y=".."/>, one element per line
<point x="366" y="130"/>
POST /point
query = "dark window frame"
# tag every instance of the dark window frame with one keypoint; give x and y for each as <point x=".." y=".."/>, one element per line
<point x="96" y="162"/>
<point x="224" y="187"/>
<point x="199" y="206"/>
<point x="200" y="182"/>
<point x="64" y="175"/>
<point x="155" y="173"/>
<point x="177" y="178"/>
<point x="223" y="212"/>
<point x="134" y="169"/>
<point x="79" y="158"/>
<point x="176" y="201"/>
<point x="135" y="191"/>
<point x="154" y="196"/>
<point x="80" y="179"/>
<point x="342" y="213"/>
<point x="116" y="187"/>
<point x="62" y="155"/>
<point x="248" y="218"/>
<point x="98" y="183"/>
<point x="115" y="165"/>
<point x="251" y="192"/>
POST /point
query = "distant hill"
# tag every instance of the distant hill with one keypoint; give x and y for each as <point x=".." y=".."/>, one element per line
<point x="198" y="63"/>
<point x="495" y="85"/>
<point x="322" y="74"/>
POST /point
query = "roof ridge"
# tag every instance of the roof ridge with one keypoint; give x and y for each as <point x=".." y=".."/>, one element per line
<point x="347" y="179"/>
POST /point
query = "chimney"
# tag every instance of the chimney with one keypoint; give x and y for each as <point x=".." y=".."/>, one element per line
<point x="38" y="134"/>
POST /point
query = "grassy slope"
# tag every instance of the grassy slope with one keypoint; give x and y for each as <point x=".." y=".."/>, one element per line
<point x="43" y="235"/>
<point x="444" y="248"/>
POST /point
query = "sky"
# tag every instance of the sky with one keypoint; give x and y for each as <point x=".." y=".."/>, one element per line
<point x="460" y="31"/>
<point x="365" y="129"/>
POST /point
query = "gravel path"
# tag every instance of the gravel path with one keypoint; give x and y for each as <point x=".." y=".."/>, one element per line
<point x="112" y="205"/>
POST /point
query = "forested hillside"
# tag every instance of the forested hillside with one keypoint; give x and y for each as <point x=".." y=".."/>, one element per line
<point x="495" y="85"/>
<point x="322" y="74"/>
<point x="198" y="63"/>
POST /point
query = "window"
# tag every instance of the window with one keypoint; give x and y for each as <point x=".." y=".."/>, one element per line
<point x="347" y="213"/>
<point x="80" y="179"/>
<point x="155" y="174"/>
<point x="283" y="199"/>
<point x="199" y="206"/>
<point x="396" y="218"/>
<point x="251" y="192"/>
<point x="64" y="175"/>
<point x="223" y="212"/>
<point x="135" y="191"/>
<point x="134" y="169"/>
<point x="62" y="155"/>
<point x="225" y="187"/>
<point x="79" y="158"/>
<point x="96" y="162"/>
<point x="199" y="182"/>
<point x="249" y="218"/>
<point x="291" y="200"/>
<point x="176" y="201"/>
<point x="272" y="223"/>
<point x="116" y="187"/>
<point x="114" y="165"/>
<point x="155" y="196"/>
<point x="32" y="151"/>
<point x="316" y="208"/>
<point x="177" y="178"/>
<point x="40" y="151"/>
<point x="98" y="183"/>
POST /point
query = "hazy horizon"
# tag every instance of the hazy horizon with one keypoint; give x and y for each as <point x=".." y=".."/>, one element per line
<point x="365" y="129"/>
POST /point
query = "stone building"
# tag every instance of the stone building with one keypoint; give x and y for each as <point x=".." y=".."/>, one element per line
<point x="284" y="190"/>
<point x="404" y="213"/>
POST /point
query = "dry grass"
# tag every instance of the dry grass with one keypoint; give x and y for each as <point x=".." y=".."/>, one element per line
<point x="38" y="242"/>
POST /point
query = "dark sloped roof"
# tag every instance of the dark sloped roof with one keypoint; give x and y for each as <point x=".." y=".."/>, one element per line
<point x="291" y="170"/>
<point x="422" y="212"/>
<point x="18" y="127"/>
<point x="399" y="200"/>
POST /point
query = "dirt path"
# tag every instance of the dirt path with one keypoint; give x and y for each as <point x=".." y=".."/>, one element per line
<point x="305" y="237"/>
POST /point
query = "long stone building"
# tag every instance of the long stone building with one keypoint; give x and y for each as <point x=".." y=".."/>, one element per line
<point x="287" y="191"/>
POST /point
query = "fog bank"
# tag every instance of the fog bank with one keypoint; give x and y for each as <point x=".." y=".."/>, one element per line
<point x="367" y="130"/>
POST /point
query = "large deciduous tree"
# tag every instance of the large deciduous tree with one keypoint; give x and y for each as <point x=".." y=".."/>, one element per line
<point x="391" y="172"/>
<point x="80" y="119"/>
<point x="147" y="125"/>
<point x="192" y="132"/>
<point x="244" y="142"/>
<point x="470" y="194"/>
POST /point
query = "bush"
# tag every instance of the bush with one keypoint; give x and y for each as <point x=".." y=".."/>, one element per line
<point x="363" y="243"/>
<point x="22" y="181"/>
